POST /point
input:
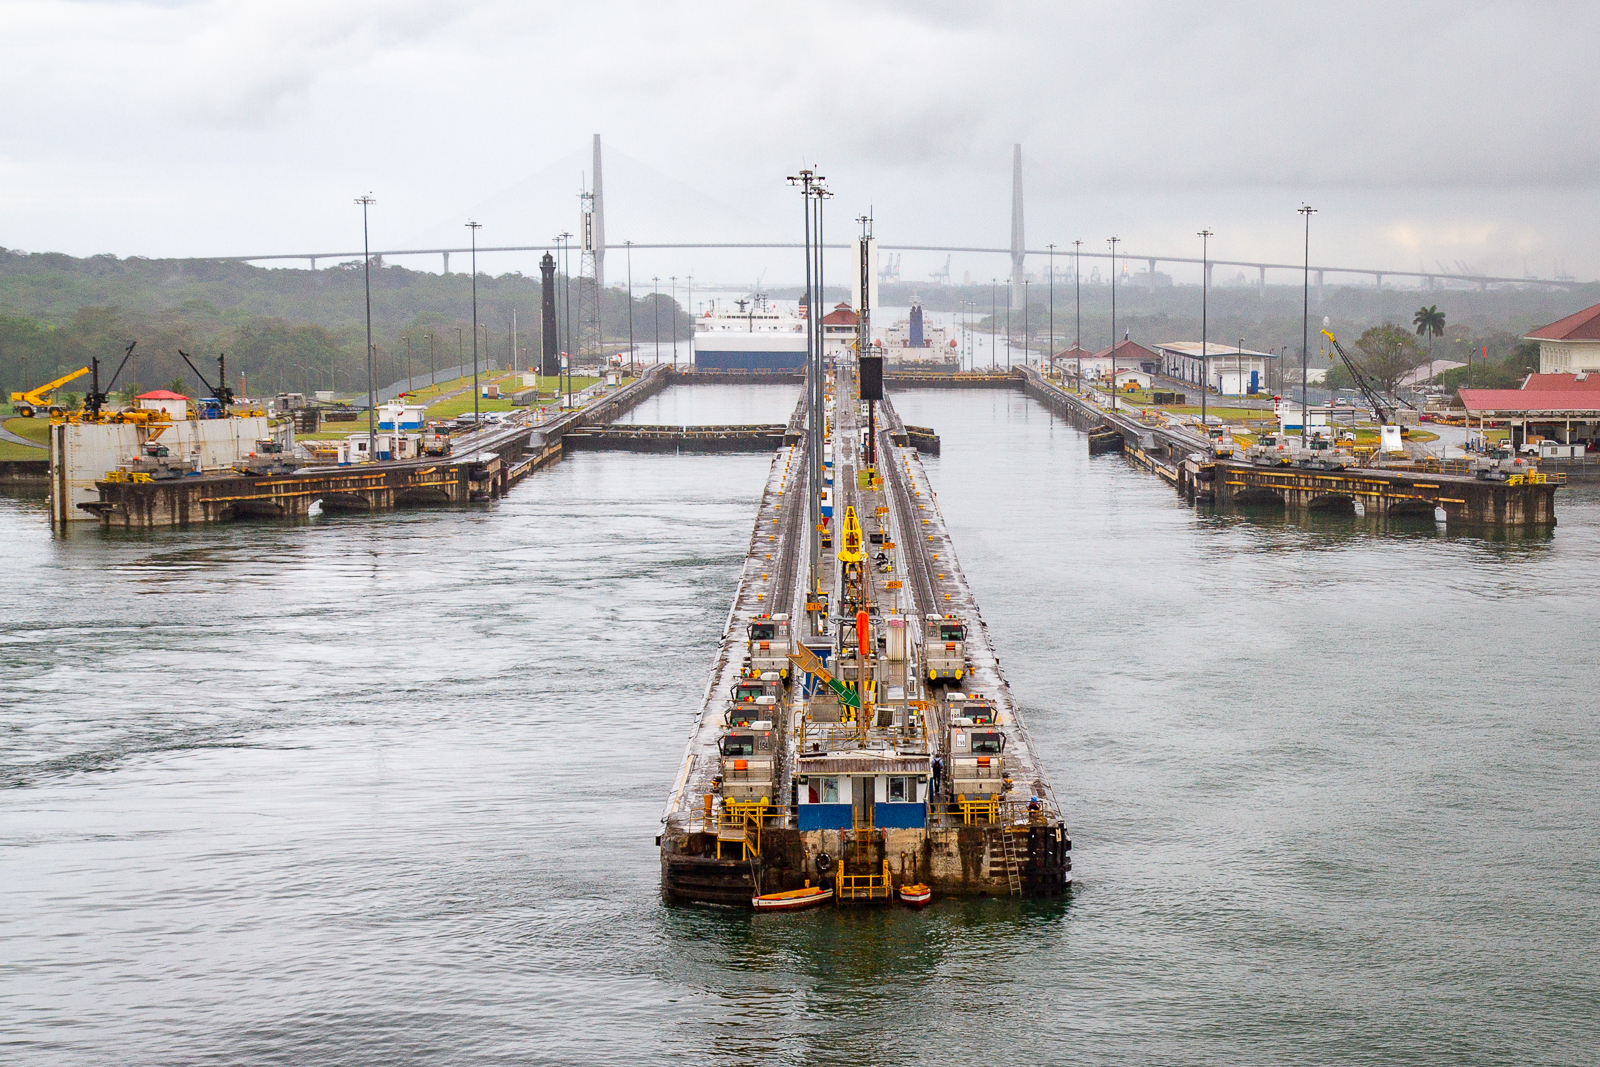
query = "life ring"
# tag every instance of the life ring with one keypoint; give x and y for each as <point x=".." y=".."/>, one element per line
<point x="824" y="863"/>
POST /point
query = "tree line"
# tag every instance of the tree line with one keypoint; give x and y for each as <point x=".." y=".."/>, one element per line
<point x="282" y="330"/>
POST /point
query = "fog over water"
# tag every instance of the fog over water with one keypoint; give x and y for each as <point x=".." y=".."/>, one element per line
<point x="384" y="789"/>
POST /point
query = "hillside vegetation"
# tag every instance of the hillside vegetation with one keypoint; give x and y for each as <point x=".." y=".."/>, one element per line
<point x="281" y="329"/>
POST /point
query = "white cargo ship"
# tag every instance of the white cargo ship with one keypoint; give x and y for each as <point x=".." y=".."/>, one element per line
<point x="914" y="344"/>
<point x="751" y="334"/>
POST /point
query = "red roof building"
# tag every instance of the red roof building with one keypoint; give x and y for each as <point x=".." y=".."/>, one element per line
<point x="1569" y="414"/>
<point x="1561" y="383"/>
<point x="841" y="315"/>
<point x="1570" y="346"/>
<point x="161" y="394"/>
<point x="1132" y="354"/>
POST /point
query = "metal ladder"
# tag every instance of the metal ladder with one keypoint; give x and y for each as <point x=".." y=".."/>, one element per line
<point x="1012" y="859"/>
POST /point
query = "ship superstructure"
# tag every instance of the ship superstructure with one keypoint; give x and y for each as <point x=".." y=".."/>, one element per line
<point x="915" y="344"/>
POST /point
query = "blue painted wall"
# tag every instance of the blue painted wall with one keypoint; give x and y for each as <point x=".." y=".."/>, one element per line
<point x="826" y="816"/>
<point x="899" y="816"/>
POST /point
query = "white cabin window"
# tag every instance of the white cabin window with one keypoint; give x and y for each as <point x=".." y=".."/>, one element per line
<point x="829" y="793"/>
<point x="897" y="790"/>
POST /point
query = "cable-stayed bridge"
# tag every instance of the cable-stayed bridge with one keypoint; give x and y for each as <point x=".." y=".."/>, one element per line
<point x="1016" y="251"/>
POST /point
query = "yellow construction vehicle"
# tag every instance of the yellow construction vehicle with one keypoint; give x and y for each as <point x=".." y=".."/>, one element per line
<point x="30" y="403"/>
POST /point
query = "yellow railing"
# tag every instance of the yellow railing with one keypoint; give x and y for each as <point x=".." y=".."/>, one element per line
<point x="995" y="811"/>
<point x="864" y="886"/>
<point x="971" y="809"/>
<point x="1537" y="478"/>
<point x="742" y="820"/>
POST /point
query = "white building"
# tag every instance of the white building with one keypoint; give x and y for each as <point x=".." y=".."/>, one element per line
<point x="176" y="405"/>
<point x="1570" y="346"/>
<point x="1227" y="369"/>
<point x="353" y="449"/>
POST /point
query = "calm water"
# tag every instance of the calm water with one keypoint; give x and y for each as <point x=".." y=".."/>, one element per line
<point x="384" y="790"/>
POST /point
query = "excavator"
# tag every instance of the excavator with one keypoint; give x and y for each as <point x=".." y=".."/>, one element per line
<point x="30" y="403"/>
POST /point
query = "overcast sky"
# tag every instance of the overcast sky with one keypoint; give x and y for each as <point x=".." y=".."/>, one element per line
<point x="1423" y="132"/>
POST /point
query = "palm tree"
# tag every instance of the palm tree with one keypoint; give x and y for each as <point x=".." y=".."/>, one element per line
<point x="1429" y="322"/>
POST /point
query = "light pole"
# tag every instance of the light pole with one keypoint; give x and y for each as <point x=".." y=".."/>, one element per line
<point x="1112" y="241"/>
<point x="994" y="321"/>
<point x="673" y="280"/>
<point x="809" y="182"/>
<point x="1008" y="329"/>
<point x="1205" y="368"/>
<point x="1305" y="319"/>
<point x="566" y="307"/>
<point x="1077" y="314"/>
<point x="1052" y="345"/>
<point x="433" y="367"/>
<point x="1025" y="283"/>
<point x="655" y="314"/>
<point x="632" y="355"/>
<point x="474" y="227"/>
<point x="408" y="363"/>
<point x="372" y="388"/>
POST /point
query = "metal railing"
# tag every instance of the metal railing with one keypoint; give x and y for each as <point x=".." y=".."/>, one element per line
<point x="864" y="886"/>
<point x="994" y="810"/>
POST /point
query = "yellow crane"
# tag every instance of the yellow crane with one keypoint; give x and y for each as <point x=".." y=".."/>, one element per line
<point x="31" y="402"/>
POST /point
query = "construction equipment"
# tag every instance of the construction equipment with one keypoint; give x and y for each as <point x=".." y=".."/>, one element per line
<point x="216" y="405"/>
<point x="96" y="398"/>
<point x="30" y="403"/>
<point x="807" y="661"/>
<point x="1384" y="409"/>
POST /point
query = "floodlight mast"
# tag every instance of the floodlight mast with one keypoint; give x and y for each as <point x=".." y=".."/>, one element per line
<point x="809" y="183"/>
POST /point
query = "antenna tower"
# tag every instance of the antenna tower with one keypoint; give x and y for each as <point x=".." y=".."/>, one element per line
<point x="589" y="338"/>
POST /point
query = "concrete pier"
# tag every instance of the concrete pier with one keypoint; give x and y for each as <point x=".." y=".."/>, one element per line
<point x="483" y="466"/>
<point x="638" y="438"/>
<point x="1465" y="501"/>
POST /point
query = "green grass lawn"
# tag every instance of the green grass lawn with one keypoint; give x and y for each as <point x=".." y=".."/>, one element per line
<point x="512" y="380"/>
<point x="33" y="429"/>
<point x="10" y="451"/>
<point x="1225" y="414"/>
<point x="460" y="405"/>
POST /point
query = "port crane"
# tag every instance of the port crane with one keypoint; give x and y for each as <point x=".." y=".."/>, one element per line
<point x="30" y="403"/>
<point x="216" y="406"/>
<point x="1384" y="409"/>
<point x="97" y="398"/>
<point x="942" y="277"/>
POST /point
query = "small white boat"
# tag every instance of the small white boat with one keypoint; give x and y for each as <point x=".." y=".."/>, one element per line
<point x="793" y="900"/>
